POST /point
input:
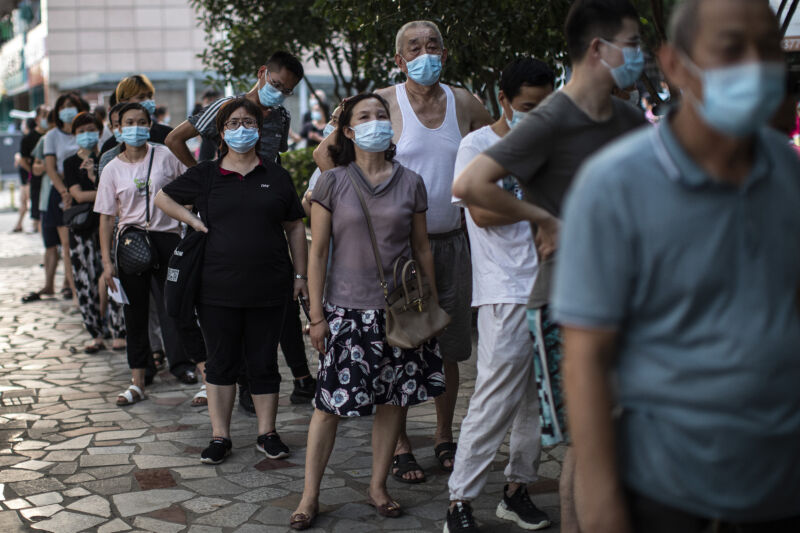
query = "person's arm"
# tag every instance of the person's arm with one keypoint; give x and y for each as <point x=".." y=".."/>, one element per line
<point x="317" y="271"/>
<point x="38" y="167"/>
<point x="81" y="196"/>
<point x="24" y="164"/>
<point x="306" y="201"/>
<point x="58" y="181"/>
<point x="599" y="496"/>
<point x="484" y="218"/>
<point x="322" y="155"/>
<point x="176" y="142"/>
<point x="106" y="234"/>
<point x="478" y="115"/>
<point x="298" y="247"/>
<point x="477" y="186"/>
<point x="421" y="250"/>
<point x="175" y="210"/>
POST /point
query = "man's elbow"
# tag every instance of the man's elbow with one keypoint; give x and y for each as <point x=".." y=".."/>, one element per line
<point x="461" y="189"/>
<point x="172" y="140"/>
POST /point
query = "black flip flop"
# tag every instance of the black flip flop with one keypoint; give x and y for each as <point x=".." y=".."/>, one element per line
<point x="66" y="293"/>
<point x="405" y="463"/>
<point x="94" y="348"/>
<point x="446" y="451"/>
<point x="31" y="297"/>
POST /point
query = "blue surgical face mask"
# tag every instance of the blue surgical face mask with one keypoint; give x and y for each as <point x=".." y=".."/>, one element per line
<point x="425" y="69"/>
<point x="67" y="114"/>
<point x="740" y="99"/>
<point x="516" y="116"/>
<point x="328" y="130"/>
<point x="316" y="115"/>
<point x="43" y="123"/>
<point x="631" y="68"/>
<point x="134" y="135"/>
<point x="149" y="105"/>
<point x="241" y="139"/>
<point x="117" y="135"/>
<point x="374" y="136"/>
<point x="269" y="96"/>
<point x="87" y="139"/>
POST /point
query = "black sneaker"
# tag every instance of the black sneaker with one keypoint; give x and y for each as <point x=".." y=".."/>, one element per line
<point x="459" y="519"/>
<point x="246" y="402"/>
<point x="304" y="390"/>
<point x="272" y="446"/>
<point x="218" y="449"/>
<point x="519" y="509"/>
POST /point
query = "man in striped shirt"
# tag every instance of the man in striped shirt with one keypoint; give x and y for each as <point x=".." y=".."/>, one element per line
<point x="276" y="80"/>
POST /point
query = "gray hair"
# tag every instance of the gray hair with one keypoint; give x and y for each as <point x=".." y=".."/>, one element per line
<point x="398" y="41"/>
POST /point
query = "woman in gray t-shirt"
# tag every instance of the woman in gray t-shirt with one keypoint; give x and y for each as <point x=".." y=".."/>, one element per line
<point x="360" y="373"/>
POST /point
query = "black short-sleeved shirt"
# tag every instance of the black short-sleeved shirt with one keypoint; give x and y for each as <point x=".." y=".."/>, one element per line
<point x="75" y="175"/>
<point x="26" y="146"/>
<point x="246" y="261"/>
<point x="110" y="143"/>
<point x="308" y="127"/>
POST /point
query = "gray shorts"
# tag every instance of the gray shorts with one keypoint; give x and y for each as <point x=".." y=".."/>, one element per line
<point x="451" y="261"/>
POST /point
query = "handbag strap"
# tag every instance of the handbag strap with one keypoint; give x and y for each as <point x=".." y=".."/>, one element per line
<point x="372" y="238"/>
<point x="147" y="189"/>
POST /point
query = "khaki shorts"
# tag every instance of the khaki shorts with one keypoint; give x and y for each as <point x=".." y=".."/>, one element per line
<point x="453" y="267"/>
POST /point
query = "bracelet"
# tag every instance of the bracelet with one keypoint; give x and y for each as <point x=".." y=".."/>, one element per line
<point x="320" y="321"/>
<point x="300" y="276"/>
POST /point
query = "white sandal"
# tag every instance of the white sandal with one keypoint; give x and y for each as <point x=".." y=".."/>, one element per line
<point x="202" y="394"/>
<point x="129" y="397"/>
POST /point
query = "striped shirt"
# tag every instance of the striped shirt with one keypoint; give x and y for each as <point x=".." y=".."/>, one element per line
<point x="274" y="130"/>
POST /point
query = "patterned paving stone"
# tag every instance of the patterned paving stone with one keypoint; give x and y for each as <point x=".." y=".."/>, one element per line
<point x="134" y="503"/>
<point x="203" y="504"/>
<point x="158" y="526"/>
<point x="231" y="516"/>
<point x="94" y="505"/>
<point x="114" y="526"/>
<point x="66" y="522"/>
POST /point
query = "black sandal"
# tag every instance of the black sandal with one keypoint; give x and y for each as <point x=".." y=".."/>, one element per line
<point x="446" y="451"/>
<point x="66" y="293"/>
<point x="405" y="463"/>
<point x="94" y="347"/>
<point x="31" y="297"/>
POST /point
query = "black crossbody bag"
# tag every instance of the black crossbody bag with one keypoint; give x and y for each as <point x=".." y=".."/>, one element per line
<point x="134" y="249"/>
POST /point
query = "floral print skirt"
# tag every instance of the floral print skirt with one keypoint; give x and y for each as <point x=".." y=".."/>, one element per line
<point x="360" y="369"/>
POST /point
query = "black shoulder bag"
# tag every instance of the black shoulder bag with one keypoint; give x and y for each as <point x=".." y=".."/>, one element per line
<point x="185" y="266"/>
<point x="134" y="249"/>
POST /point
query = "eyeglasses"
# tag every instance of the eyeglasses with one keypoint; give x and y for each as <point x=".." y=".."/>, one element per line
<point x="278" y="85"/>
<point x="234" y="123"/>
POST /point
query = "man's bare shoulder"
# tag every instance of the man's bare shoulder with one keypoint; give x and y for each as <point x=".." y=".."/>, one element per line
<point x="387" y="93"/>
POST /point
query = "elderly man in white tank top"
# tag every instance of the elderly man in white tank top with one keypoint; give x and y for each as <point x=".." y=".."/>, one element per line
<point x="429" y="120"/>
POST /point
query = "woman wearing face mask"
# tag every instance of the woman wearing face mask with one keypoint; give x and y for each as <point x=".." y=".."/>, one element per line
<point x="126" y="184"/>
<point x="250" y="211"/>
<point x="80" y="178"/>
<point x="360" y="373"/>
<point x="59" y="144"/>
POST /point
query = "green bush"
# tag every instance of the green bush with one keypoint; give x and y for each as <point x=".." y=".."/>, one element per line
<point x="300" y="165"/>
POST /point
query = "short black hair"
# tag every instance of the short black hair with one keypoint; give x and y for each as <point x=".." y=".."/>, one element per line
<point x="288" y="61"/>
<point x="589" y="19"/>
<point x="112" y="100"/>
<point x="115" y="110"/>
<point x="100" y="112"/>
<point x="211" y="94"/>
<point x="30" y="123"/>
<point x="83" y="118"/>
<point x="160" y="111"/>
<point x="130" y="106"/>
<point x="525" y="71"/>
<point x="63" y="99"/>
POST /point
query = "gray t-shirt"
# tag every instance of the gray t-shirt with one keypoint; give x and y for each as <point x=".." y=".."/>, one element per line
<point x="274" y="130"/>
<point x="544" y="152"/>
<point x="353" y="281"/>
<point x="699" y="278"/>
<point x="61" y="145"/>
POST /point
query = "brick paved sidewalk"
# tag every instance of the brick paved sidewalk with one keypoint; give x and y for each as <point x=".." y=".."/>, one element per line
<point x="70" y="460"/>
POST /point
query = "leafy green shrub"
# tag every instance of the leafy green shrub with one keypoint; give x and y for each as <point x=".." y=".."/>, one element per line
<point x="300" y="165"/>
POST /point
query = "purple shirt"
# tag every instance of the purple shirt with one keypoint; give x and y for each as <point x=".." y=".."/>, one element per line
<point x="353" y="281"/>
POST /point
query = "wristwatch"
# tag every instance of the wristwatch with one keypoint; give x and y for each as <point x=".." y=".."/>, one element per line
<point x="300" y="276"/>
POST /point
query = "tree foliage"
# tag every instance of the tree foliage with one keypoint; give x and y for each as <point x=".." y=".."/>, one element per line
<point x="355" y="39"/>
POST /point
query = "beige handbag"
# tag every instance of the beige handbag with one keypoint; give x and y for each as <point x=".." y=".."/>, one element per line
<point x="412" y="315"/>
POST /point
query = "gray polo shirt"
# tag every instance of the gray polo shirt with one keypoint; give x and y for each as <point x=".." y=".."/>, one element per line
<point x="700" y="279"/>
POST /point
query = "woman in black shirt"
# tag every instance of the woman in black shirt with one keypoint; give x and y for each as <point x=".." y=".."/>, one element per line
<point x="80" y="179"/>
<point x="247" y="275"/>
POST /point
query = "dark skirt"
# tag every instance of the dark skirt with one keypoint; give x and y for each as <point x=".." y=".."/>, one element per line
<point x="360" y="369"/>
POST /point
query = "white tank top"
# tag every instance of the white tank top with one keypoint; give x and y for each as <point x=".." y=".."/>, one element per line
<point x="431" y="153"/>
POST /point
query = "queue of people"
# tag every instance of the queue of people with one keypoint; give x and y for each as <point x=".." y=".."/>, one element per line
<point x="636" y="285"/>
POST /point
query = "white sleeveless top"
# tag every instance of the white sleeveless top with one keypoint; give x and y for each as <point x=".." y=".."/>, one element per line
<point x="431" y="153"/>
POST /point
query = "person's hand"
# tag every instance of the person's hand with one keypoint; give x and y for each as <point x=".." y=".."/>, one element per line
<point x="300" y="288"/>
<point x="66" y="198"/>
<point x="546" y="238"/>
<point x="198" y="225"/>
<point x="88" y="166"/>
<point x="603" y="512"/>
<point x="319" y="332"/>
<point x="108" y="275"/>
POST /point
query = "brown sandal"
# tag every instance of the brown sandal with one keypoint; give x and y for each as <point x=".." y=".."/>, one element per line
<point x="391" y="509"/>
<point x="299" y="521"/>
